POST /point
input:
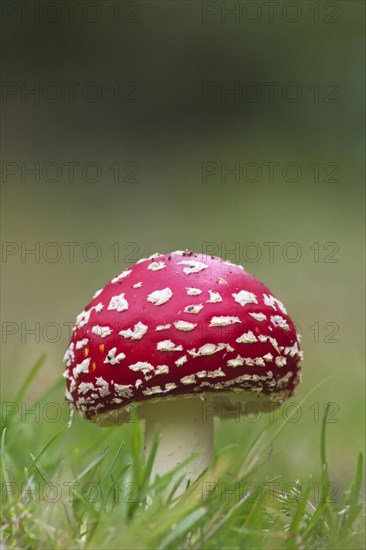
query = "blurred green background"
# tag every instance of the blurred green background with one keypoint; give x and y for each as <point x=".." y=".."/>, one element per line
<point x="161" y="131"/>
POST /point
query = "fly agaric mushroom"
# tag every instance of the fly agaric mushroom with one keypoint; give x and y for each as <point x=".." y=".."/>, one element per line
<point x="181" y="336"/>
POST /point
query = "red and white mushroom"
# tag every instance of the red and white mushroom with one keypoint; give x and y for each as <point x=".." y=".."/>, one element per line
<point x="174" y="333"/>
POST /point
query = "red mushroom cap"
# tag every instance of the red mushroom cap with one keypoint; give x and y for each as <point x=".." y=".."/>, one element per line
<point x="180" y="324"/>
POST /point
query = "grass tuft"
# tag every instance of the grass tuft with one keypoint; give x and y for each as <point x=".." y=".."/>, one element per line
<point x="82" y="487"/>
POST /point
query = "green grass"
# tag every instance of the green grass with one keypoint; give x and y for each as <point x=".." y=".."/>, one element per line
<point x="64" y="486"/>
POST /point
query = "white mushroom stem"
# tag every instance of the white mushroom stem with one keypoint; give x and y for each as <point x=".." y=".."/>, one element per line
<point x="185" y="426"/>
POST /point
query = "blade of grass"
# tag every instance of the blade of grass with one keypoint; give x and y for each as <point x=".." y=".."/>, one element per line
<point x="4" y="467"/>
<point x="354" y="507"/>
<point x="58" y="385"/>
<point x="39" y="468"/>
<point x="50" y="442"/>
<point x="290" y="416"/>
<point x="328" y="509"/>
<point x="161" y="482"/>
<point x="93" y="463"/>
<point x="182" y="527"/>
<point x="29" y="379"/>
<point x="137" y="456"/>
<point x="150" y="461"/>
<point x="175" y="487"/>
<point x="301" y="508"/>
<point x="322" y="509"/>
<point x="110" y="467"/>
